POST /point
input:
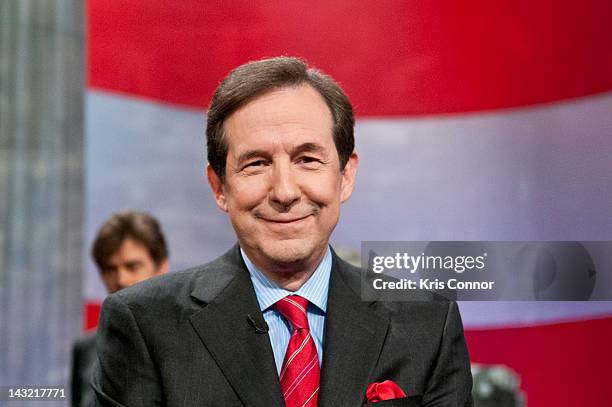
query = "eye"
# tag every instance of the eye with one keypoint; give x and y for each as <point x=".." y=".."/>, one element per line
<point x="133" y="266"/>
<point x="308" y="160"/>
<point x="255" y="164"/>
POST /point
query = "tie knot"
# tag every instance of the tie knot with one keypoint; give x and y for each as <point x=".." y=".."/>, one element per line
<point x="293" y="308"/>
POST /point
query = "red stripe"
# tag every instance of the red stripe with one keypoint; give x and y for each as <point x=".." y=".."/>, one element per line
<point x="565" y="364"/>
<point x="393" y="57"/>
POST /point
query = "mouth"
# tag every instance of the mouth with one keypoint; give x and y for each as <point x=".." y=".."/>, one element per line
<point x="282" y="220"/>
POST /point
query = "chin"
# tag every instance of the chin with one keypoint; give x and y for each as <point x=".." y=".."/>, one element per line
<point x="289" y="251"/>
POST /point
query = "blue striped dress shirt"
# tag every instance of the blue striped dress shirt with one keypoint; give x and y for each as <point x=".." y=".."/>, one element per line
<point x="314" y="290"/>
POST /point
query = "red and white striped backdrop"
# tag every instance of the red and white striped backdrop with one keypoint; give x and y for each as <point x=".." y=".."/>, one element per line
<point x="476" y="120"/>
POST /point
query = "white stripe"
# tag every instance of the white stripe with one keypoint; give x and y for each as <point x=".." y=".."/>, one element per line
<point x="294" y="325"/>
<point x="297" y="305"/>
<point x="311" y="396"/>
<point x="293" y="356"/>
<point x="300" y="377"/>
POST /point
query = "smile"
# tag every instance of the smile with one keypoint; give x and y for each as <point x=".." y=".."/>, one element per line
<point x="285" y="220"/>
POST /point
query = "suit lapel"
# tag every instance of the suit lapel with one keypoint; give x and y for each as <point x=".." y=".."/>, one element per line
<point x="354" y="335"/>
<point x="244" y="355"/>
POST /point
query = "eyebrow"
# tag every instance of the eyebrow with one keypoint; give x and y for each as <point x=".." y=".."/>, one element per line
<point x="247" y="155"/>
<point x="308" y="148"/>
<point x="302" y="148"/>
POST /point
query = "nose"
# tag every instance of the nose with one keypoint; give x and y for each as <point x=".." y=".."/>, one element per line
<point x="284" y="186"/>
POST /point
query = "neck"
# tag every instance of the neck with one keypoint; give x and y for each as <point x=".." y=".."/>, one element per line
<point x="290" y="281"/>
<point x="287" y="275"/>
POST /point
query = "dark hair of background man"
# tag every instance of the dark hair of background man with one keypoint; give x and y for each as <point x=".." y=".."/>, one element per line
<point x="138" y="226"/>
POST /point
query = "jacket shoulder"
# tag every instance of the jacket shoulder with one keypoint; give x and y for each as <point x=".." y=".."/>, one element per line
<point x="175" y="289"/>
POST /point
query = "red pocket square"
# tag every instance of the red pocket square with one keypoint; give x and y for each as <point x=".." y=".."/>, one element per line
<point x="386" y="390"/>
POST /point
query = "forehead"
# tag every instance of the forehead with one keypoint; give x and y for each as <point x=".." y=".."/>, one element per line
<point x="130" y="248"/>
<point x="287" y="115"/>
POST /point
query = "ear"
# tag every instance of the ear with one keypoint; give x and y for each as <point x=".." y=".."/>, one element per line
<point x="348" y="177"/>
<point x="163" y="267"/>
<point x="217" y="187"/>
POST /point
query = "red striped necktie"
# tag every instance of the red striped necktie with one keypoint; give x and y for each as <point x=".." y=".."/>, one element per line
<point x="300" y="373"/>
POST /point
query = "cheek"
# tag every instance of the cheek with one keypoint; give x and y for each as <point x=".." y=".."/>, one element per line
<point x="246" y="194"/>
<point x="324" y="190"/>
<point x="109" y="281"/>
<point x="150" y="268"/>
<point x="145" y="274"/>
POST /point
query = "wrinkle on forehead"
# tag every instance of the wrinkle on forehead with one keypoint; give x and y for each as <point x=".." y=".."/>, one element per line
<point x="279" y="122"/>
<point x="275" y="109"/>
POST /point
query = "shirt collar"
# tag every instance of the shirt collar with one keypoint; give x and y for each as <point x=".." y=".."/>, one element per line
<point x="315" y="289"/>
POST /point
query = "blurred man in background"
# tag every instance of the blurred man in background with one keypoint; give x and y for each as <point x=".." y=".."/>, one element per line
<point x="129" y="247"/>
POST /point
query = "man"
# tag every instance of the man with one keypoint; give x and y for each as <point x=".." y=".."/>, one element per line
<point x="129" y="247"/>
<point x="278" y="319"/>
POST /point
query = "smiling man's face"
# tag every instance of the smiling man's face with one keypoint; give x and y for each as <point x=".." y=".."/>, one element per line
<point x="283" y="186"/>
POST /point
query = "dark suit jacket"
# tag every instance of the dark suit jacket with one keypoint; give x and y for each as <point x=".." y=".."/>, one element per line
<point x="185" y="339"/>
<point x="83" y="362"/>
